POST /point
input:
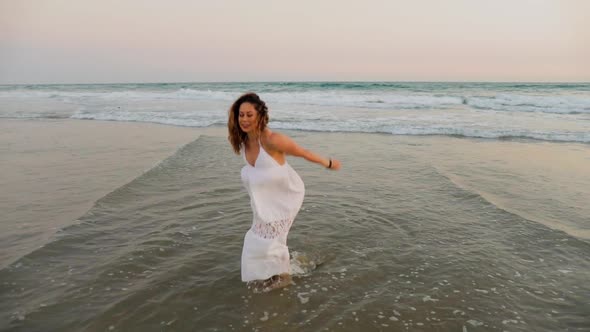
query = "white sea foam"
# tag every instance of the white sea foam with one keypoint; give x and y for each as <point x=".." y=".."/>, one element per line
<point x="303" y="298"/>
<point x="428" y="298"/>
<point x="365" y="100"/>
<point x="169" y="118"/>
<point x="474" y="322"/>
<point x="532" y="103"/>
<point x="303" y="264"/>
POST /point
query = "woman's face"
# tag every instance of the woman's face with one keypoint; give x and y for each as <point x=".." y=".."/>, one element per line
<point x="248" y="117"/>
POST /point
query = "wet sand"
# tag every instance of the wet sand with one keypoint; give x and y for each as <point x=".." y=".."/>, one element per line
<point x="54" y="170"/>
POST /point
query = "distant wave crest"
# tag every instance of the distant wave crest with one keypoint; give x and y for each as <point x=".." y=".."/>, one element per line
<point x="329" y="94"/>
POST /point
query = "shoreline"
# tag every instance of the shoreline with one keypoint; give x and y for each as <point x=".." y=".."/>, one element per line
<point x="56" y="169"/>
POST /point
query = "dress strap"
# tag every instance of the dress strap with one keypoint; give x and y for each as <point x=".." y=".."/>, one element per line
<point x="243" y="153"/>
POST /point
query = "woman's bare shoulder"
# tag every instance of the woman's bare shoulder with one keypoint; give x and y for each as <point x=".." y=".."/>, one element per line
<point x="276" y="137"/>
<point x="276" y="140"/>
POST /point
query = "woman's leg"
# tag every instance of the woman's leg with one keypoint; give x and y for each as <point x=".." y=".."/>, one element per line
<point x="279" y="281"/>
<point x="274" y="282"/>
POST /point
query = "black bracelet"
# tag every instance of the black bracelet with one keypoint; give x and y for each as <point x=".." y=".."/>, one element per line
<point x="330" y="165"/>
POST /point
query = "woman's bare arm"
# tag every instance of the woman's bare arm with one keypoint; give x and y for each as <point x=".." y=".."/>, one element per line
<point x="285" y="144"/>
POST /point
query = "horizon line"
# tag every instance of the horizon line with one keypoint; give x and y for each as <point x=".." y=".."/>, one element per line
<point x="303" y="81"/>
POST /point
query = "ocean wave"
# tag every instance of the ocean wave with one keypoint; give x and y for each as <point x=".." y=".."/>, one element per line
<point x="443" y="127"/>
<point x="183" y="94"/>
<point x="411" y="126"/>
<point x="485" y="110"/>
<point x="34" y="115"/>
<point x="313" y="97"/>
<point x="367" y="100"/>
<point x="437" y="129"/>
<point x="530" y="103"/>
<point x="184" y="119"/>
<point x="126" y="95"/>
<point x="350" y="95"/>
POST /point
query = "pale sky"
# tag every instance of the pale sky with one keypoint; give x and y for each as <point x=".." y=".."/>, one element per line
<point x="108" y="41"/>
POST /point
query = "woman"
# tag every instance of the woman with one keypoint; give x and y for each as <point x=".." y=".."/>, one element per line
<point x="276" y="191"/>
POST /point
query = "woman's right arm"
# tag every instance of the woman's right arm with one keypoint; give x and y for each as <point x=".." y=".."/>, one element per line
<point x="285" y="144"/>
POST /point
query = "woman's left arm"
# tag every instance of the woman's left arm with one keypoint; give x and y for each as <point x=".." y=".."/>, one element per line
<point x="285" y="144"/>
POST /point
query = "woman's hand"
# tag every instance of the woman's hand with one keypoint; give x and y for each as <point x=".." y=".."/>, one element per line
<point x="335" y="165"/>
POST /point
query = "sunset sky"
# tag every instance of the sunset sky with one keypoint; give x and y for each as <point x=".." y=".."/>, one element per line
<point x="54" y="41"/>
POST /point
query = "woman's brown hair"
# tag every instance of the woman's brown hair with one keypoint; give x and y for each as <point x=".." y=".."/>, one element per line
<point x="237" y="136"/>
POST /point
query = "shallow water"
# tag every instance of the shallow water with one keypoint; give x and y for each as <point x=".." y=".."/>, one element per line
<point x="406" y="239"/>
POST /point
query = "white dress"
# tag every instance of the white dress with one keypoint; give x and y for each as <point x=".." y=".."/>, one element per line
<point x="276" y="194"/>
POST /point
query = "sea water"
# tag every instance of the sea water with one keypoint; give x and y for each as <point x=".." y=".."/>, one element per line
<point x="483" y="226"/>
<point x="544" y="111"/>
